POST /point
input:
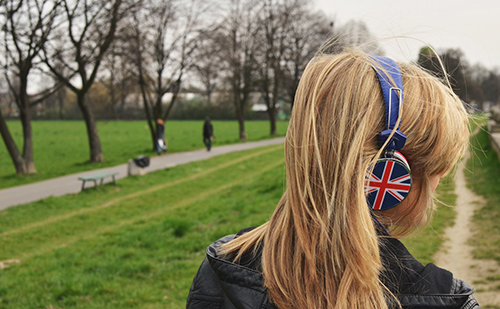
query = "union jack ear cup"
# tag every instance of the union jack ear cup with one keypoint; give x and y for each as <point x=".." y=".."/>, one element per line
<point x="389" y="183"/>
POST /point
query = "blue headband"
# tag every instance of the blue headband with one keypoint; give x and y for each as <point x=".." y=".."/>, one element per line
<point x="393" y="98"/>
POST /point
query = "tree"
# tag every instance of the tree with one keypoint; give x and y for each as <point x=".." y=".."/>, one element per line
<point x="307" y="31"/>
<point x="237" y="33"/>
<point x="457" y="72"/>
<point x="162" y="39"/>
<point x="27" y="25"/>
<point x="274" y="19"/>
<point x="356" y="34"/>
<point x="285" y="46"/>
<point x="488" y="81"/>
<point x="207" y="66"/>
<point x="90" y="28"/>
<point x="491" y="87"/>
<point x="117" y="78"/>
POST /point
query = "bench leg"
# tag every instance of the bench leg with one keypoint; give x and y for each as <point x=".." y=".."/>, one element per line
<point x="95" y="183"/>
<point x="102" y="179"/>
<point x="83" y="185"/>
<point x="114" y="181"/>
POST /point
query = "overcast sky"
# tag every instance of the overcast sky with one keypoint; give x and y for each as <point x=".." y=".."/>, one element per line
<point x="473" y="26"/>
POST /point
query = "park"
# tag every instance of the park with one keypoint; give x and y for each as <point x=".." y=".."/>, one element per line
<point x="86" y="87"/>
<point x="138" y="244"/>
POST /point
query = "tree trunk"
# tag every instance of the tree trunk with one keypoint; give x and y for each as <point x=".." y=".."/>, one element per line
<point x="152" y="130"/>
<point x="15" y="155"/>
<point x="241" y="123"/>
<point x="25" y="115"/>
<point x="240" y="115"/>
<point x="96" y="154"/>
<point x="272" y="119"/>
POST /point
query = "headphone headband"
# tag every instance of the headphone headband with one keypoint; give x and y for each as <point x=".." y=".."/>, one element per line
<point x="392" y="91"/>
<point x="389" y="182"/>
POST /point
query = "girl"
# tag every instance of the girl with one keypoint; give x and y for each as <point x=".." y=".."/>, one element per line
<point x="332" y="241"/>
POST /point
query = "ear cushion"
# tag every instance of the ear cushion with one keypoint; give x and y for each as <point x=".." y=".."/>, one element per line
<point x="389" y="183"/>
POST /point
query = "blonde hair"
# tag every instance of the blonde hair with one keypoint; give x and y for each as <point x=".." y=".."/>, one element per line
<point x="320" y="247"/>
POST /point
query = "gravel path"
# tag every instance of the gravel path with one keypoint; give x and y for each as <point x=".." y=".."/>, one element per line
<point x="456" y="253"/>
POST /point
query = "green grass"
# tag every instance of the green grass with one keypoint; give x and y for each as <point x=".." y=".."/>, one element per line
<point x="427" y="242"/>
<point x="136" y="245"/>
<point x="61" y="147"/>
<point x="483" y="177"/>
<point x="139" y="244"/>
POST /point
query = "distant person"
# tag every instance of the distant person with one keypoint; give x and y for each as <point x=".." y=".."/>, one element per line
<point x="208" y="133"/>
<point x="161" y="144"/>
<point x="333" y="240"/>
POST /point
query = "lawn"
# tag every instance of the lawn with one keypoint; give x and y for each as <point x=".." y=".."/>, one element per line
<point x="429" y="239"/>
<point x="139" y="244"/>
<point x="61" y="147"/>
<point x="483" y="177"/>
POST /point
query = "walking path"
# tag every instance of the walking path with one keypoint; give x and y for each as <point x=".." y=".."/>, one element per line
<point x="70" y="184"/>
<point x="456" y="253"/>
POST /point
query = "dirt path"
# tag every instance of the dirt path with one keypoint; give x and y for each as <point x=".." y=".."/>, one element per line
<point x="456" y="253"/>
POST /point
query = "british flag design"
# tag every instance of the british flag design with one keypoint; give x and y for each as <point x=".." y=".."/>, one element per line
<point x="389" y="184"/>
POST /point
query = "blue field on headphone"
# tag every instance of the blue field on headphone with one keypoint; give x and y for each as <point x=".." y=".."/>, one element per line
<point x="389" y="184"/>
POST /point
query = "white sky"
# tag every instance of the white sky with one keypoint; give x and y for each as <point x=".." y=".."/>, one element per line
<point x="473" y="26"/>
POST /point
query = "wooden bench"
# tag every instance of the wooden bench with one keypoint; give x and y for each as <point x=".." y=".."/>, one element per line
<point x="95" y="177"/>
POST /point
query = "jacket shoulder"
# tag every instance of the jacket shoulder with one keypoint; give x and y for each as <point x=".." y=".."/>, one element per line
<point x="200" y="295"/>
<point x="220" y="283"/>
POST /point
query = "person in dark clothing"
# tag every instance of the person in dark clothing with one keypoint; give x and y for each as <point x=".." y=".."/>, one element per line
<point x="367" y="144"/>
<point x="161" y="144"/>
<point x="220" y="283"/>
<point x="208" y="133"/>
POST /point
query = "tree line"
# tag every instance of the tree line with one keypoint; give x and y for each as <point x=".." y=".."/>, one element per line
<point x="473" y="84"/>
<point x="152" y="48"/>
<point x="149" y="46"/>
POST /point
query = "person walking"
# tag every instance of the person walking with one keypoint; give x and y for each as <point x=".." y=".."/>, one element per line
<point x="208" y="133"/>
<point x="367" y="143"/>
<point x="161" y="144"/>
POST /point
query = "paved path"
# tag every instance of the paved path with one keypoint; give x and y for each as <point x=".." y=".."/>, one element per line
<point x="70" y="183"/>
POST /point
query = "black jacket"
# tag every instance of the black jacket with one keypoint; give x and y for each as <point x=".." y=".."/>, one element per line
<point x="222" y="284"/>
<point x="208" y="129"/>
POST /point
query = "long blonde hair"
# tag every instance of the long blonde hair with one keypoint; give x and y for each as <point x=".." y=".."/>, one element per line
<point x="320" y="247"/>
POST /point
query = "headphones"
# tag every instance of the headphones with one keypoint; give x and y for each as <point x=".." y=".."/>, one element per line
<point x="389" y="183"/>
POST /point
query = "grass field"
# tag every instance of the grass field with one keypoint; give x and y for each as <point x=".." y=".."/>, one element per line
<point x="61" y="147"/>
<point x="483" y="177"/>
<point x="139" y="244"/>
<point x="428" y="241"/>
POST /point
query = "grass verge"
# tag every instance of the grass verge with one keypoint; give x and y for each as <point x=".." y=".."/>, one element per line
<point x="483" y="177"/>
<point x="61" y="147"/>
<point x="429" y="241"/>
<point x="139" y="244"/>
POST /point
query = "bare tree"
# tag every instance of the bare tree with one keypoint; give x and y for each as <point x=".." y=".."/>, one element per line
<point x="90" y="28"/>
<point x="163" y="37"/>
<point x="455" y="68"/>
<point x="356" y="34"/>
<point x="26" y="27"/>
<point x="273" y="18"/>
<point x="307" y="31"/>
<point x="207" y="66"/>
<point x="237" y="35"/>
<point x="117" y="76"/>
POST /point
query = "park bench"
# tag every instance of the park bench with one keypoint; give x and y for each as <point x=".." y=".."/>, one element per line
<point x="95" y="177"/>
